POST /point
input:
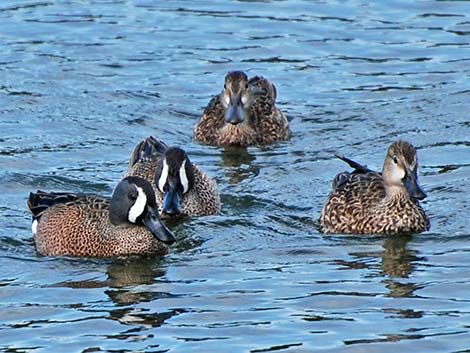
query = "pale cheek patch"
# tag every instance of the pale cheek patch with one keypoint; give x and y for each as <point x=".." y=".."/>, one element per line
<point x="226" y="99"/>
<point x="139" y="206"/>
<point x="244" y="99"/>
<point x="163" y="177"/>
<point x="184" y="178"/>
<point x="397" y="174"/>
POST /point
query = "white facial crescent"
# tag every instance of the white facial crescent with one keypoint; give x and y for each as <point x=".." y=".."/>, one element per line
<point x="163" y="177"/>
<point x="138" y="207"/>
<point x="184" y="178"/>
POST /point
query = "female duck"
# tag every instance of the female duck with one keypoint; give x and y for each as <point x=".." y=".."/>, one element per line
<point x="180" y="186"/>
<point x="94" y="226"/>
<point x="365" y="202"/>
<point x="244" y="114"/>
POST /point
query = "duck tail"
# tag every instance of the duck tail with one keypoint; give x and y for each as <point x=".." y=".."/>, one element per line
<point x="358" y="168"/>
<point x="263" y="86"/>
<point x="40" y="201"/>
<point x="146" y="148"/>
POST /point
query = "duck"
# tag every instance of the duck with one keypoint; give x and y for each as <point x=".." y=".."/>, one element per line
<point x="88" y="225"/>
<point x="369" y="202"/>
<point x="243" y="114"/>
<point x="181" y="187"/>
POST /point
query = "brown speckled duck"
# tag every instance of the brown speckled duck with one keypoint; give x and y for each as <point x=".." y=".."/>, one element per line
<point x="181" y="187"/>
<point x="93" y="226"/>
<point x="367" y="202"/>
<point x="244" y="114"/>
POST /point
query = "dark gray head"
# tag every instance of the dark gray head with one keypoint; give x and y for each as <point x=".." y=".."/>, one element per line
<point x="401" y="169"/>
<point x="235" y="97"/>
<point x="134" y="202"/>
<point x="174" y="178"/>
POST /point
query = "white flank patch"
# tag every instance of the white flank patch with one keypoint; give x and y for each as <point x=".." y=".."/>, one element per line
<point x="184" y="178"/>
<point x="163" y="177"/>
<point x="139" y="206"/>
<point x="34" y="227"/>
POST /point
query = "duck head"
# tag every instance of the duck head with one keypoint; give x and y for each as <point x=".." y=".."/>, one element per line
<point x="400" y="169"/>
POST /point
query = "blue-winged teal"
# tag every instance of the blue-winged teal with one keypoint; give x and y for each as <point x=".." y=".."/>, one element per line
<point x="94" y="226"/>
<point x="244" y="114"/>
<point x="367" y="202"/>
<point x="181" y="187"/>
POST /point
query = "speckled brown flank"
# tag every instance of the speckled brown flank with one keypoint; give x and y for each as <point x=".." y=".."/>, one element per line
<point x="265" y="123"/>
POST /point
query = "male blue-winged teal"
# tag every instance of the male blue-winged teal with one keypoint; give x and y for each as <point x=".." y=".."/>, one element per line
<point x="181" y="187"/>
<point x="244" y="114"/>
<point x="367" y="202"/>
<point x="93" y="226"/>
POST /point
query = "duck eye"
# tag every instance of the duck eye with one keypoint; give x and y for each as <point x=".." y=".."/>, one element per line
<point x="133" y="196"/>
<point x="395" y="159"/>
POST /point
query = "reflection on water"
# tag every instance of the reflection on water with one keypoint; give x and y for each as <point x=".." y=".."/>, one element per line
<point x="82" y="84"/>
<point x="397" y="259"/>
<point x="124" y="278"/>
<point x="147" y="320"/>
<point x="122" y="272"/>
<point x="399" y="262"/>
<point x="238" y="164"/>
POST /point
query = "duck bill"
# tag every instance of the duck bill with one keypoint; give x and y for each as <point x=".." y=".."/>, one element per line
<point x="413" y="187"/>
<point x="234" y="114"/>
<point x="155" y="225"/>
<point x="171" y="202"/>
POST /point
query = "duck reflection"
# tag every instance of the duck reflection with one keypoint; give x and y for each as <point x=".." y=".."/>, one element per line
<point x="238" y="162"/>
<point x="122" y="272"/>
<point x="124" y="277"/>
<point x="128" y="273"/>
<point x="398" y="261"/>
<point x="129" y="282"/>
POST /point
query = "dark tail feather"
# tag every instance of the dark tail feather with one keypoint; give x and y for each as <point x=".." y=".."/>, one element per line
<point x="358" y="168"/>
<point x="146" y="148"/>
<point x="39" y="201"/>
<point x="32" y="203"/>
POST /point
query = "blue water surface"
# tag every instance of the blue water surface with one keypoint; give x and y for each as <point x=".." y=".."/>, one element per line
<point x="81" y="82"/>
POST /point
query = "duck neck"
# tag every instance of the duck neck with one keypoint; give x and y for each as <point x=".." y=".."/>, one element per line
<point x="396" y="195"/>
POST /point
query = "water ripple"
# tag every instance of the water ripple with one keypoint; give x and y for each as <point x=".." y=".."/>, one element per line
<point x="82" y="84"/>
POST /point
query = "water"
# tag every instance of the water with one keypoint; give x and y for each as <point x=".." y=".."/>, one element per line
<point x="83" y="81"/>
